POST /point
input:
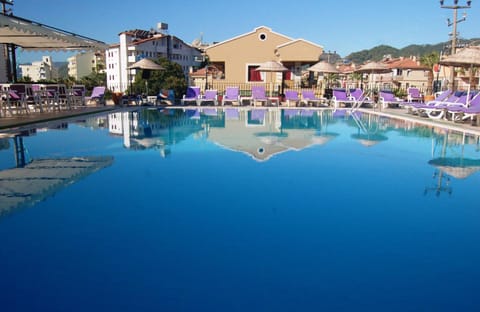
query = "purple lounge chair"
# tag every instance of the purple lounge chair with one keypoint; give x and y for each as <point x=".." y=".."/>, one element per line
<point x="339" y="96"/>
<point x="20" y="96"/>
<point x="415" y="107"/>
<point x="61" y="98"/>
<point x="388" y="99"/>
<point x="97" y="96"/>
<point x="309" y="98"/>
<point x="469" y="111"/>
<point x="438" y="111"/>
<point x="77" y="95"/>
<point x="232" y="96"/>
<point x="192" y="95"/>
<point x="258" y="95"/>
<point x="292" y="98"/>
<point x="210" y="96"/>
<point x="414" y="95"/>
<point x="360" y="98"/>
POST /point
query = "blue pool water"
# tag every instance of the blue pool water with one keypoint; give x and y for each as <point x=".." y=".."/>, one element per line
<point x="239" y="211"/>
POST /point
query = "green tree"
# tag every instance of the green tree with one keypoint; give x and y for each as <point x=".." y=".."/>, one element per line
<point x="171" y="77"/>
<point x="331" y="80"/>
<point x="429" y="60"/>
<point x="357" y="77"/>
<point x="25" y="79"/>
<point x="93" y="80"/>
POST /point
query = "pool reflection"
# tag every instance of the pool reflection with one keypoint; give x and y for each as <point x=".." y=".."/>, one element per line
<point x="261" y="132"/>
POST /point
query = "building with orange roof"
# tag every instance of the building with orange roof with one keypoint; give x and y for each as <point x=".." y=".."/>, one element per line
<point x="408" y="72"/>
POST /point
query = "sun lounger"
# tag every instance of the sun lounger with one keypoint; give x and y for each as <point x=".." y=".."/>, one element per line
<point x="77" y="95"/>
<point x="388" y="99"/>
<point x="61" y="98"/>
<point x="231" y="96"/>
<point x="292" y="99"/>
<point x="438" y="111"/>
<point x="418" y="108"/>
<point x="360" y="98"/>
<point x="97" y="96"/>
<point x="340" y="97"/>
<point x="259" y="96"/>
<point x="309" y="98"/>
<point x="191" y="96"/>
<point x="210" y="96"/>
<point x="467" y="111"/>
<point x="414" y="95"/>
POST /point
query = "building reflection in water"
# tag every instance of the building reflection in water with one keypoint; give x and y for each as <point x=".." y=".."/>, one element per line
<point x="259" y="132"/>
<point x="451" y="159"/>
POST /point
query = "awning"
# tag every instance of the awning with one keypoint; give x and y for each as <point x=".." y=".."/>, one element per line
<point x="34" y="36"/>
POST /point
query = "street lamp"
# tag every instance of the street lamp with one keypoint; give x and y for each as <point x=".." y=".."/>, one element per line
<point x="454" y="23"/>
<point x="213" y="70"/>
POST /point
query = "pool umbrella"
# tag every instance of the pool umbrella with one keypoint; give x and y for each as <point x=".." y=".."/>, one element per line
<point x="322" y="138"/>
<point x="467" y="58"/>
<point x="273" y="67"/>
<point x="456" y="167"/>
<point x="146" y="65"/>
<point x="324" y="68"/>
<point x="373" y="68"/>
<point x="367" y="139"/>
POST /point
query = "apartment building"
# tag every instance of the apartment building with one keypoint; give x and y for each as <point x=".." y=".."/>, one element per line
<point x="137" y="44"/>
<point x="85" y="63"/>
<point x="39" y="70"/>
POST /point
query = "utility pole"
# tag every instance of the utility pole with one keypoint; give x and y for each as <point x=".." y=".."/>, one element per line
<point x="454" y="23"/>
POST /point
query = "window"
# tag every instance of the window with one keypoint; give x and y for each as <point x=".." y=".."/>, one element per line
<point x="253" y="74"/>
<point x="262" y="36"/>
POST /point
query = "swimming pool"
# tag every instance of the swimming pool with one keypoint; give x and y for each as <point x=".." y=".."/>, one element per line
<point x="239" y="210"/>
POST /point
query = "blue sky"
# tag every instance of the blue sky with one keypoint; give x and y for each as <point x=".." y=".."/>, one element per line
<point x="341" y="26"/>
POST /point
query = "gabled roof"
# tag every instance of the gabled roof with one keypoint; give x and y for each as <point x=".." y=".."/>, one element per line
<point x="248" y="34"/>
<point x="296" y="41"/>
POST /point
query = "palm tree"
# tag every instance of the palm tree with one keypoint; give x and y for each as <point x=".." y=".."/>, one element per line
<point x="429" y="61"/>
<point x="357" y="77"/>
<point x="331" y="79"/>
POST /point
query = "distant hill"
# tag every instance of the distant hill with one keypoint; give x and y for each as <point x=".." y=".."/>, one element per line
<point x="377" y="53"/>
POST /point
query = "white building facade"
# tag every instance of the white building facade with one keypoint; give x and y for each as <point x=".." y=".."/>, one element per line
<point x="137" y="44"/>
<point x="40" y="70"/>
<point x="83" y="64"/>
